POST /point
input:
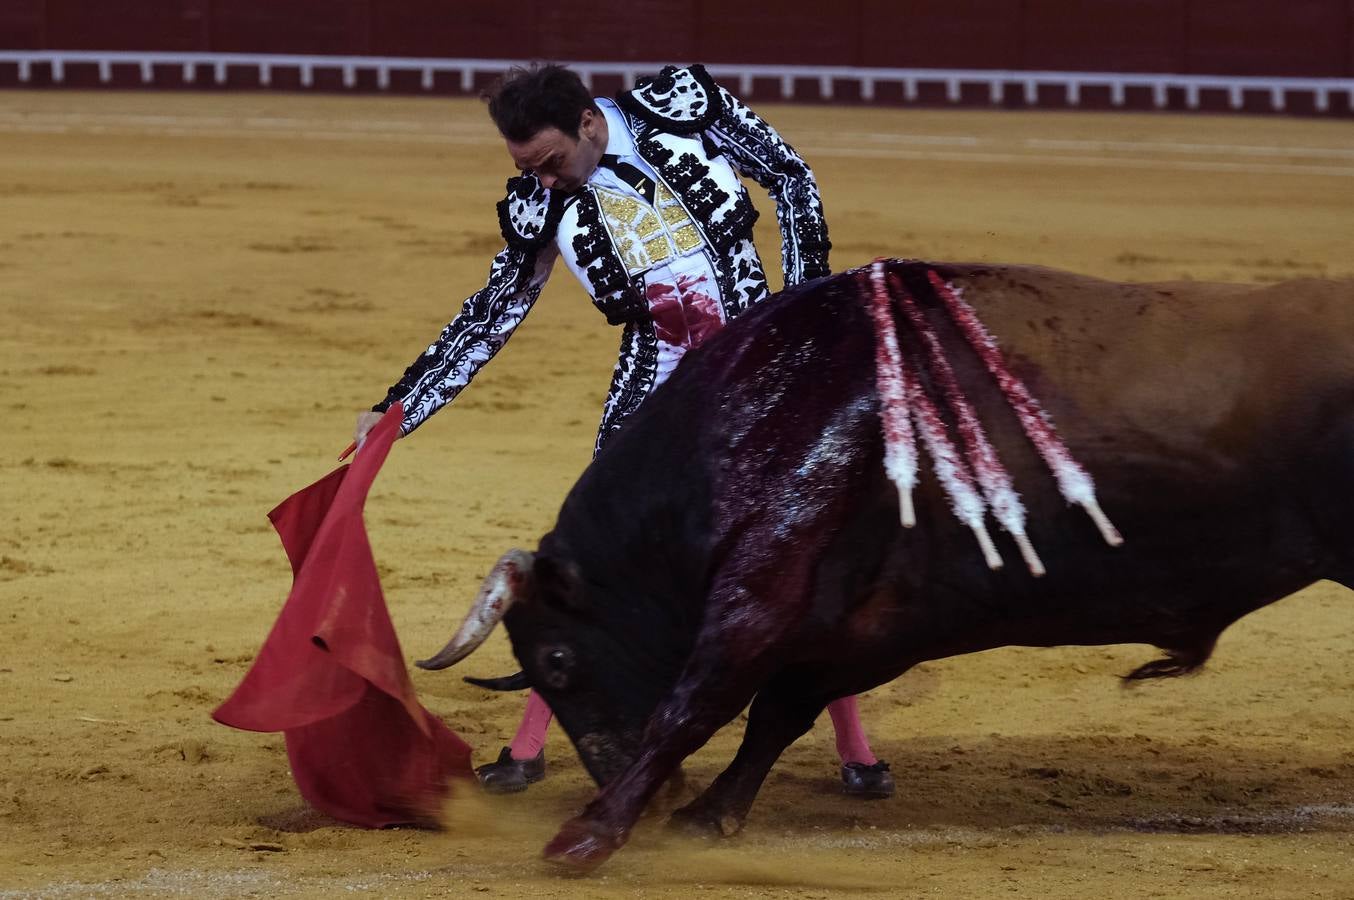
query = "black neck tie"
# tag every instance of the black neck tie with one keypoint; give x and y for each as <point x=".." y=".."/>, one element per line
<point x="630" y="175"/>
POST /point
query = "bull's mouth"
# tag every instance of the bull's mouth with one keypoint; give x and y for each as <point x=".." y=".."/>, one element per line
<point x="605" y="755"/>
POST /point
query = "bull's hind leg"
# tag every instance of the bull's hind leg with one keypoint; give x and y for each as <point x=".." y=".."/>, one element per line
<point x="782" y="712"/>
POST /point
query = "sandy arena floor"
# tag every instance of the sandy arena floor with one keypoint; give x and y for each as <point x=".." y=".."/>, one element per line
<point x="198" y="293"/>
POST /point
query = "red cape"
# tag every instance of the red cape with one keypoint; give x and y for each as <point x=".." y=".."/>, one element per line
<point x="331" y="674"/>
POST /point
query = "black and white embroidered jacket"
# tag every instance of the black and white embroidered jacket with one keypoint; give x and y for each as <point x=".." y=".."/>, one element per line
<point x="698" y="138"/>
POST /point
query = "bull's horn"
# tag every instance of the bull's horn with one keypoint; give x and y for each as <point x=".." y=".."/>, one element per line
<point x="500" y="589"/>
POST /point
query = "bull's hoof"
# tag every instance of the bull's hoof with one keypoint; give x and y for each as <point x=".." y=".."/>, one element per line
<point x="582" y="845"/>
<point x="702" y="822"/>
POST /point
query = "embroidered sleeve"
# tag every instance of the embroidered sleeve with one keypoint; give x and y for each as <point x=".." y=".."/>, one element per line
<point x="483" y="326"/>
<point x="633" y="379"/>
<point x="758" y="152"/>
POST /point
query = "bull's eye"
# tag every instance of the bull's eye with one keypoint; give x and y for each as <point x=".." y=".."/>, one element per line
<point x="556" y="663"/>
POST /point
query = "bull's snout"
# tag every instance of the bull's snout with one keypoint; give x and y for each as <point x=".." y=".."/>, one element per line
<point x="606" y="755"/>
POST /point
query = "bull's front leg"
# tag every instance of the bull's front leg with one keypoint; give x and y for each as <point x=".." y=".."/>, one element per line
<point x="707" y="696"/>
<point x="757" y="601"/>
<point x="731" y="661"/>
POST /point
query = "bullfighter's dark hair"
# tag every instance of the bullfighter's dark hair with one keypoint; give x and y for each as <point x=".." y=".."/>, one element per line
<point x="531" y="98"/>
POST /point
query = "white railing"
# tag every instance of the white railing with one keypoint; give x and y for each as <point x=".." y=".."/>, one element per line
<point x="912" y="81"/>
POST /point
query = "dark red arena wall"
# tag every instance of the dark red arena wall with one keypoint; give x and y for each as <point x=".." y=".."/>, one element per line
<point x="1216" y="37"/>
<point x="941" y="34"/>
<point x="23" y="25"/>
<point x="476" y="28"/>
<point x="793" y="32"/>
<point x="168" y="25"/>
<point x="290" y="26"/>
<point x="1139" y="35"/>
<point x="1265" y="37"/>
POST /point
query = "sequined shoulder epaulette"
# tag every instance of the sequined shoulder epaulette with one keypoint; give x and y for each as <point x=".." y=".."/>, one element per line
<point x="530" y="213"/>
<point x="677" y="100"/>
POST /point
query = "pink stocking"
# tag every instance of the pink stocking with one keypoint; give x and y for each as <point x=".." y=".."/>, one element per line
<point x="530" y="737"/>
<point x="852" y="745"/>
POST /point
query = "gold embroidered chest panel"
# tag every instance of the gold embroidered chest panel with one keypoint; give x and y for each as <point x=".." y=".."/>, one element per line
<point x="645" y="235"/>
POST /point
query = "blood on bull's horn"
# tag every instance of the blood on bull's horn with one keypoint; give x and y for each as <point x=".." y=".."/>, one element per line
<point x="500" y="590"/>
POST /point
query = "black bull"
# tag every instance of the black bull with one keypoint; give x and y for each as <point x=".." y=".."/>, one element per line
<point x="739" y="541"/>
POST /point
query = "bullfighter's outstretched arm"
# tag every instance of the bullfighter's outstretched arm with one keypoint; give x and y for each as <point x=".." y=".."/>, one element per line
<point x="757" y="151"/>
<point x="486" y="321"/>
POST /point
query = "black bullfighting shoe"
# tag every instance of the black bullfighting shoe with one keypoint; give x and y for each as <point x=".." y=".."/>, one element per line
<point x="869" y="782"/>
<point x="506" y="775"/>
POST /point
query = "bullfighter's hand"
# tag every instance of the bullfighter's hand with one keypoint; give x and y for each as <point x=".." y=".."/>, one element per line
<point x="365" y="422"/>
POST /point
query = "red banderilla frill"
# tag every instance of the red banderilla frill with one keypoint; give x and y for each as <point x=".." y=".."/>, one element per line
<point x="1073" y="481"/>
<point x="900" y="449"/>
<point x="973" y="477"/>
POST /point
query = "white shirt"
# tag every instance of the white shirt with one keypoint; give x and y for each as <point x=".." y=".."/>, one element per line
<point x="679" y="279"/>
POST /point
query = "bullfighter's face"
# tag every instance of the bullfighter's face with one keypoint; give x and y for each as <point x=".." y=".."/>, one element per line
<point x="562" y="162"/>
<point x="599" y="685"/>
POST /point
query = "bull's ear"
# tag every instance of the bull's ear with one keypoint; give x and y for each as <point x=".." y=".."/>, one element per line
<point x="557" y="581"/>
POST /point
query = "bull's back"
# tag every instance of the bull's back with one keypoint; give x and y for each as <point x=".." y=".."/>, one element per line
<point x="1213" y="370"/>
<point x="1179" y="399"/>
<point x="1204" y="413"/>
<point x="1149" y="384"/>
